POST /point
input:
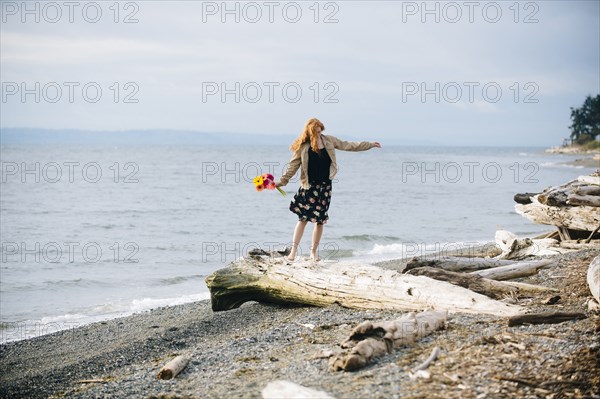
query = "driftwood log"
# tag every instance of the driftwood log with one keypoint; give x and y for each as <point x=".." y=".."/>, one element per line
<point x="172" y="368"/>
<point x="517" y="270"/>
<point x="593" y="179"/>
<point x="587" y="190"/>
<point x="455" y="263"/>
<point x="491" y="288"/>
<point x="544" y="318"/>
<point x="369" y="340"/>
<point x="348" y="284"/>
<point x="593" y="278"/>
<point x="486" y="250"/>
<point x="517" y="248"/>
<point x="524" y="198"/>
<point x="588" y="200"/>
<point x="583" y="244"/>
<point x="573" y="205"/>
<point x="423" y="366"/>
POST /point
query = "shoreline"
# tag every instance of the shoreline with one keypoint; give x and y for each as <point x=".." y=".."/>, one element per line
<point x="31" y="329"/>
<point x="572" y="150"/>
<point x="591" y="158"/>
<point x="234" y="354"/>
<point x="587" y="162"/>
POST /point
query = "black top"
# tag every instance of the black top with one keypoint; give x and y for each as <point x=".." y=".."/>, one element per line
<point x="318" y="166"/>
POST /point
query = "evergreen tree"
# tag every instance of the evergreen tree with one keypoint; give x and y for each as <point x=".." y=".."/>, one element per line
<point x="586" y="120"/>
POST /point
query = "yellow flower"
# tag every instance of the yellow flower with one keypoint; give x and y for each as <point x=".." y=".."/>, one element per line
<point x="258" y="180"/>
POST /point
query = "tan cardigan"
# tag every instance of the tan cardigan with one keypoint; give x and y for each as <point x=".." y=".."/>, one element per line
<point x="300" y="158"/>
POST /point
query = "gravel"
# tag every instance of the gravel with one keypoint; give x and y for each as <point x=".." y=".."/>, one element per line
<point x="234" y="354"/>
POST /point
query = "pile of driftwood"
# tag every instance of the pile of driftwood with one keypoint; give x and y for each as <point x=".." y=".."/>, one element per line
<point x="477" y="280"/>
<point x="444" y="283"/>
<point x="449" y="283"/>
<point x="574" y="208"/>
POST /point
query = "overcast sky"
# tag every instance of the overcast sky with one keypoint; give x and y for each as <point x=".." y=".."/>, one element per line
<point x="481" y="73"/>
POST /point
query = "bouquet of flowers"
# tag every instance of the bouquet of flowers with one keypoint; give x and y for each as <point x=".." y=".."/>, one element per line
<point x="266" y="181"/>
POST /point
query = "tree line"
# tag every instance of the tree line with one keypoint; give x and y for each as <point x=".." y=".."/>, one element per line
<point x="585" y="125"/>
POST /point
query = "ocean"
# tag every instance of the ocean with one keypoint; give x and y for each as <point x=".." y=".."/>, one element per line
<point x="97" y="231"/>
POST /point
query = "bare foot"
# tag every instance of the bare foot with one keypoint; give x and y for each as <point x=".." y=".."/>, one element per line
<point x="292" y="256"/>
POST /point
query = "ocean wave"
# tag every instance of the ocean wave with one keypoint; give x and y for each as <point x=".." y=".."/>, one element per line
<point x="145" y="304"/>
<point x="410" y="249"/>
<point x="77" y="282"/>
<point x="370" y="237"/>
<point x="560" y="165"/>
<point x="65" y="318"/>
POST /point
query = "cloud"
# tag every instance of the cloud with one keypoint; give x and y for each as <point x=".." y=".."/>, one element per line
<point x="369" y="54"/>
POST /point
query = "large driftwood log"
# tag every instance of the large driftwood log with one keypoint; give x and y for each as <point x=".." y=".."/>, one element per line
<point x="349" y="284"/>
<point x="369" y="340"/>
<point x="491" y="288"/>
<point x="593" y="278"/>
<point x="522" y="269"/>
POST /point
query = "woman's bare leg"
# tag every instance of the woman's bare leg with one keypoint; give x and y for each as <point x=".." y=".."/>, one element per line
<point x="298" y="232"/>
<point x="316" y="239"/>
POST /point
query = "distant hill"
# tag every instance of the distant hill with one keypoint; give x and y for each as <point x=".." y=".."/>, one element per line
<point x="159" y="137"/>
<point x="73" y="136"/>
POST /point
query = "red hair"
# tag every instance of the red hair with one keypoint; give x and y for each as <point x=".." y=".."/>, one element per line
<point x="309" y="133"/>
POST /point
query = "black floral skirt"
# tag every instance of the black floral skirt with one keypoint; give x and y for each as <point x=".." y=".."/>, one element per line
<point x="312" y="204"/>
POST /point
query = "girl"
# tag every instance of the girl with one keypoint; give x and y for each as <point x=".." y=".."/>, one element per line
<point x="314" y="154"/>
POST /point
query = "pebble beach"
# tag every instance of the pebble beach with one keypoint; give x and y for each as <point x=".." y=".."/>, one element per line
<point x="234" y="354"/>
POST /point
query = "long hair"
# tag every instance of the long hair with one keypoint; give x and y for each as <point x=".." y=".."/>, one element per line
<point x="309" y="134"/>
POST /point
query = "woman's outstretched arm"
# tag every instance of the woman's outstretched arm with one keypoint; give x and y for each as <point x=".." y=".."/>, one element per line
<point x="353" y="145"/>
